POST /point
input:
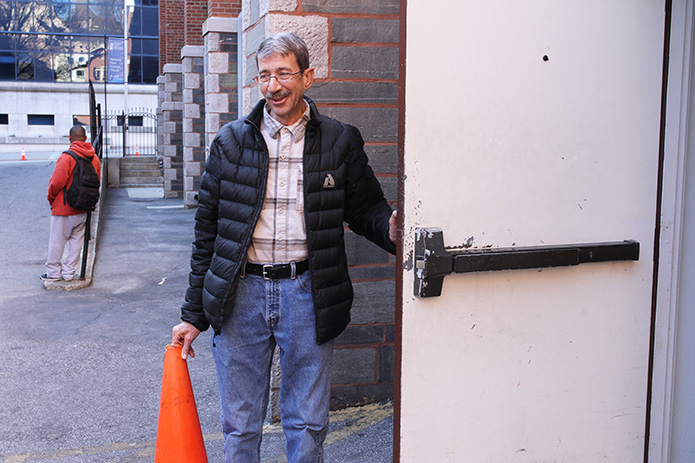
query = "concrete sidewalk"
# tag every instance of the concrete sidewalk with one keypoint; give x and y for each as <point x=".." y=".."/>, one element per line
<point x="82" y="372"/>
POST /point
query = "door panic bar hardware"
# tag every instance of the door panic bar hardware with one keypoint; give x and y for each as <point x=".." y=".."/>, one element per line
<point x="433" y="261"/>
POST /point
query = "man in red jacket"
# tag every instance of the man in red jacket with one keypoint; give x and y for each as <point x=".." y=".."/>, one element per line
<point x="67" y="223"/>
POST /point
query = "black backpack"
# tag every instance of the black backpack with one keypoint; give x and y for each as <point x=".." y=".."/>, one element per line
<point x="83" y="193"/>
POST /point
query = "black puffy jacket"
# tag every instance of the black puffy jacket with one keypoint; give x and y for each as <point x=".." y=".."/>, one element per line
<point x="231" y="195"/>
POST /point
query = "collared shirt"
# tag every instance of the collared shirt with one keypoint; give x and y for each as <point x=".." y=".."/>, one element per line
<point x="280" y="235"/>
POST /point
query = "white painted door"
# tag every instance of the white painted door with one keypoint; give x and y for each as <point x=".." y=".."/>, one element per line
<point x="530" y="123"/>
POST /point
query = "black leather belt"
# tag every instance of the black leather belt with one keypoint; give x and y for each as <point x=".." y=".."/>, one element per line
<point x="277" y="271"/>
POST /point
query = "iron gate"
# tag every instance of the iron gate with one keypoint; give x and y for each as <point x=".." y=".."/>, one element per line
<point x="130" y="134"/>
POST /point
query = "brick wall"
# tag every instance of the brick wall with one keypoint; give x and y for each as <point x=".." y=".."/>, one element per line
<point x="181" y="23"/>
<point x="361" y="89"/>
<point x="224" y="8"/>
<point x="196" y="12"/>
<point x="354" y="49"/>
<point x="171" y="40"/>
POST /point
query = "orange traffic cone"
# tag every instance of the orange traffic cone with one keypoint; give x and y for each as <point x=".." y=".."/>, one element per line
<point x="179" y="437"/>
<point x="137" y="150"/>
<point x="24" y="158"/>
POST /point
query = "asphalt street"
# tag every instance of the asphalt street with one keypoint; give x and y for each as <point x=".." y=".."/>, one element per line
<point x="80" y="371"/>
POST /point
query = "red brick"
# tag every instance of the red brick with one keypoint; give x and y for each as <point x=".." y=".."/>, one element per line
<point x="171" y="40"/>
<point x="181" y="23"/>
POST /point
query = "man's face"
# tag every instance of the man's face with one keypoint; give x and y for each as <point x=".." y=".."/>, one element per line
<point x="284" y="99"/>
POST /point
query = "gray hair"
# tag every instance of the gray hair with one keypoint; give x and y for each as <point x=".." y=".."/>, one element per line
<point x="285" y="44"/>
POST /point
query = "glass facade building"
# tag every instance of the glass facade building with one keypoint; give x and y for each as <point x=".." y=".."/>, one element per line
<point x="68" y="40"/>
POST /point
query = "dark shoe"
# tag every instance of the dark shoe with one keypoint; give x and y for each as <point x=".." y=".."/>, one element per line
<point x="45" y="277"/>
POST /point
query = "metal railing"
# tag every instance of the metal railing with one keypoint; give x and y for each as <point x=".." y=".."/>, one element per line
<point x="130" y="134"/>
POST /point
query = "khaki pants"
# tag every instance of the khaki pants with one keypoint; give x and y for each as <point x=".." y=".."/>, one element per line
<point x="65" y="229"/>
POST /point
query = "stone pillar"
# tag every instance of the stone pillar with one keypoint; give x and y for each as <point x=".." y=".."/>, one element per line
<point x="221" y="76"/>
<point x="170" y="129"/>
<point x="193" y="122"/>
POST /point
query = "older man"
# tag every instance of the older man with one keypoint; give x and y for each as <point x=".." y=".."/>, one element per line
<point x="268" y="265"/>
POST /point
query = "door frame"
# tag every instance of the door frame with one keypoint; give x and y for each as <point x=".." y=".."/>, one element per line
<point x="677" y="89"/>
<point x="398" y="335"/>
<point x="679" y="103"/>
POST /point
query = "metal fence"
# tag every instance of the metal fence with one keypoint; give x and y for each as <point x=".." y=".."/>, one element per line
<point x="130" y="134"/>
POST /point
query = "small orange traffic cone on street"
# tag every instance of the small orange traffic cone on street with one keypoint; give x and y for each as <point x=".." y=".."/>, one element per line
<point x="179" y="437"/>
<point x="24" y="157"/>
<point x="137" y="150"/>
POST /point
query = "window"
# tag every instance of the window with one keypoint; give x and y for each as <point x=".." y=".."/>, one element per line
<point x="40" y="119"/>
<point x="64" y="40"/>
<point x="43" y="67"/>
<point x="133" y="121"/>
<point x="25" y="66"/>
<point x="4" y="119"/>
<point x="78" y="119"/>
<point x="7" y="63"/>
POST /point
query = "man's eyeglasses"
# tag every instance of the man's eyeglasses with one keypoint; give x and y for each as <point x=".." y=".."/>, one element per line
<point x="264" y="77"/>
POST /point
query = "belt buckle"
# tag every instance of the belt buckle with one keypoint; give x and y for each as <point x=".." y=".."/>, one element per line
<point x="265" y="271"/>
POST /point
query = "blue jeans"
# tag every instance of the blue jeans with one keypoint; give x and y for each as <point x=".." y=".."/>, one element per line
<point x="265" y="313"/>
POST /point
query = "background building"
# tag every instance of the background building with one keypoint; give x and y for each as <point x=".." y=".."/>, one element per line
<point x="50" y="50"/>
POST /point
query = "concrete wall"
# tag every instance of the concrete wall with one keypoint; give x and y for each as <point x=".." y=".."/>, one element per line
<point x="63" y="100"/>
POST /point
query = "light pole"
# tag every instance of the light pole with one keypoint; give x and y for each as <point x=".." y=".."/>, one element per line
<point x="126" y="24"/>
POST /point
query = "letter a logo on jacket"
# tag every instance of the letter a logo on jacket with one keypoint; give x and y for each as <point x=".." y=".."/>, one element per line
<point x="329" y="182"/>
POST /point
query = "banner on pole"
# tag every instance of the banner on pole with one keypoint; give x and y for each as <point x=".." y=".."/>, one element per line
<point x="116" y="60"/>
